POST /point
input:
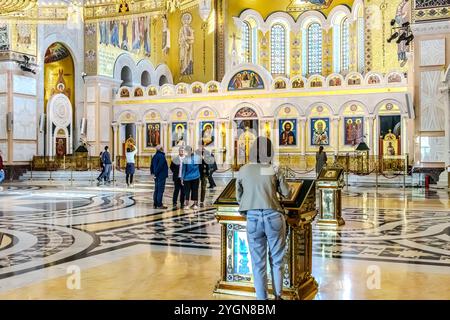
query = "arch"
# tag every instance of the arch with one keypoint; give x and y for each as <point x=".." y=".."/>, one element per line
<point x="335" y="76"/>
<point x="163" y="70"/>
<point x="395" y="77"/>
<point x="315" y="104"/>
<point x="264" y="73"/>
<point x="145" y="79"/>
<point x="197" y="88"/>
<point x="310" y="16"/>
<point x="130" y="114"/>
<point x="337" y="13"/>
<point x="182" y="88"/>
<point x="172" y="112"/>
<point x="279" y="47"/>
<point x="149" y="112"/>
<point x="381" y="103"/>
<point x="167" y="89"/>
<point x="251" y="14"/>
<point x="287" y="83"/>
<point x="348" y="103"/>
<point x="145" y="66"/>
<point x="206" y="108"/>
<point x="152" y="91"/>
<point x="312" y="79"/>
<point x="283" y="18"/>
<point x="124" y="60"/>
<point x="357" y="5"/>
<point x="299" y="110"/>
<point x="352" y="76"/>
<point x="126" y="77"/>
<point x="210" y="86"/>
<point x="297" y="81"/>
<point x="259" y="112"/>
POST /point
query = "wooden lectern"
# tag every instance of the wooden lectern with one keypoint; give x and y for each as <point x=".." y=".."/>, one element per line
<point x="236" y="272"/>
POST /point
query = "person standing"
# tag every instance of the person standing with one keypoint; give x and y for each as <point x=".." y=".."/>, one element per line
<point x="191" y="177"/>
<point x="2" y="170"/>
<point x="176" y="166"/>
<point x="257" y="189"/>
<point x="160" y="170"/>
<point x="106" y="159"/>
<point x="102" y="168"/>
<point x="321" y="160"/>
<point x="205" y="156"/>
<point x="212" y="169"/>
<point x="129" y="169"/>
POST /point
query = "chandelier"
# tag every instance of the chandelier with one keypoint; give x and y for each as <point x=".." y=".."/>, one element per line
<point x="12" y="6"/>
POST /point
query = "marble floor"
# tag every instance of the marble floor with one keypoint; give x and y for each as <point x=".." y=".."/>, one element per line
<point x="80" y="241"/>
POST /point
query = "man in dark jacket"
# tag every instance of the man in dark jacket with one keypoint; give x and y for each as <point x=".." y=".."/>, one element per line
<point x="176" y="166"/>
<point x="160" y="170"/>
<point x="107" y="166"/>
<point x="205" y="155"/>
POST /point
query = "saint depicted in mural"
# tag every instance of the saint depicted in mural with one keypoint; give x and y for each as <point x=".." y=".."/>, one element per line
<point x="320" y="131"/>
<point x="124" y="44"/>
<point x="165" y="36"/>
<point x="207" y="133"/>
<point x="114" y="27"/>
<point x="135" y="33"/>
<point x="104" y="32"/>
<point x="287" y="129"/>
<point x="246" y="136"/>
<point x="354" y="130"/>
<point x="186" y="42"/>
<point x="246" y="80"/>
<point x="401" y="16"/>
<point x="60" y="147"/>
<point x="153" y="134"/>
<point x="179" y="134"/>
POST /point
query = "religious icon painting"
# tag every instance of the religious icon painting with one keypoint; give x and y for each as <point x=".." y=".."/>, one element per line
<point x="287" y="129"/>
<point x="320" y="131"/>
<point x="246" y="80"/>
<point x="207" y="133"/>
<point x="179" y="134"/>
<point x="153" y="134"/>
<point x="353" y="130"/>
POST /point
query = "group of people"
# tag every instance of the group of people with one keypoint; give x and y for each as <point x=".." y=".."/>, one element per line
<point x="191" y="170"/>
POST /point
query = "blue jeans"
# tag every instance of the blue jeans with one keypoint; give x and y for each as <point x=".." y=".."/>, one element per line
<point x="107" y="172"/>
<point x="2" y="175"/>
<point x="160" y="185"/>
<point x="266" y="227"/>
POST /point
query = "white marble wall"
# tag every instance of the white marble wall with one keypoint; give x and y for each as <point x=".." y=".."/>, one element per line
<point x="24" y="151"/>
<point x="105" y="123"/>
<point x="91" y="122"/>
<point x="3" y="112"/>
<point x="24" y="85"/>
<point x="25" y="118"/>
<point x="105" y="94"/>
<point x="3" y="147"/>
<point x="3" y="82"/>
<point x="431" y="102"/>
<point x="431" y="52"/>
<point x="433" y="149"/>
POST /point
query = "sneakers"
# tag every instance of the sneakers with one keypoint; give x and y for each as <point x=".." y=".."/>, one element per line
<point x="194" y="207"/>
<point x="162" y="207"/>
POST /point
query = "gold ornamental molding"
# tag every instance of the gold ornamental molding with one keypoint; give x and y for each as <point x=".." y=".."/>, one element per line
<point x="13" y="6"/>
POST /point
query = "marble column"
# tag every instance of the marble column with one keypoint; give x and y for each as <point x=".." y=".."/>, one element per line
<point x="139" y="137"/>
<point x="192" y="139"/>
<point x="404" y="133"/>
<point x="302" y="135"/>
<point x="335" y="134"/>
<point x="115" y="127"/>
<point x="369" y="120"/>
<point x="165" y="137"/>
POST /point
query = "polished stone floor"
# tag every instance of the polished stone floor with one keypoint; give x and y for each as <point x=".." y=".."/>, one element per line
<point x="125" y="249"/>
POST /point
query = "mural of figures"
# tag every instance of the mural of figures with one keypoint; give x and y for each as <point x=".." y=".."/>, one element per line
<point x="165" y="36"/>
<point x="135" y="39"/>
<point x="146" y="35"/>
<point x="186" y="42"/>
<point x="179" y="134"/>
<point x="401" y="16"/>
<point x="60" y="147"/>
<point x="353" y="130"/>
<point x="114" y="28"/>
<point x="247" y="131"/>
<point x="207" y="133"/>
<point x="153" y="134"/>
<point x="23" y="34"/>
<point x="246" y="80"/>
<point x="124" y="44"/>
<point x="104" y="33"/>
<point x="320" y="131"/>
<point x="288" y="132"/>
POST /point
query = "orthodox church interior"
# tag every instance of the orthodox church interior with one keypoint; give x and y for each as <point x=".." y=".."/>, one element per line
<point x="367" y="80"/>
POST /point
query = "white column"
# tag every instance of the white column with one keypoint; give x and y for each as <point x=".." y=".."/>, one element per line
<point x="115" y="127"/>
<point x="335" y="134"/>
<point x="369" y="120"/>
<point x="139" y="139"/>
<point x="165" y="136"/>
<point x="302" y="134"/>
<point x="192" y="139"/>
<point x="404" y="133"/>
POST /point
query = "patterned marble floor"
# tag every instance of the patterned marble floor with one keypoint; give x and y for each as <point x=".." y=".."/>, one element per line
<point x="125" y="249"/>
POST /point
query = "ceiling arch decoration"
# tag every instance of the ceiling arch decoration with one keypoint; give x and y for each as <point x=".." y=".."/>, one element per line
<point x="304" y="5"/>
<point x="15" y="6"/>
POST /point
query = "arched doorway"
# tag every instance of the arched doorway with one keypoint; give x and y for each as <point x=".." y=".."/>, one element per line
<point x="126" y="77"/>
<point x="163" y="80"/>
<point x="145" y="79"/>
<point x="59" y="98"/>
<point x="246" y="130"/>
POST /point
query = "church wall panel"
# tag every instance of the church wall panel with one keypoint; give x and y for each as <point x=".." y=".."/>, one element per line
<point x="24" y="85"/>
<point x="3" y="82"/>
<point x="91" y="122"/>
<point x="4" y="148"/>
<point x="105" y="123"/>
<point x="24" y="151"/>
<point x="431" y="102"/>
<point x="3" y="112"/>
<point x="25" y="118"/>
